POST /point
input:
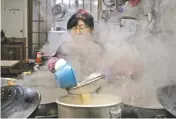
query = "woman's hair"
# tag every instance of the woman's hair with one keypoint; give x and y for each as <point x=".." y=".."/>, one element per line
<point x="81" y="15"/>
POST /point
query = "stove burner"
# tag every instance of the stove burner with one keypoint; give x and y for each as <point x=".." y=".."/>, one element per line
<point x="18" y="101"/>
<point x="138" y="112"/>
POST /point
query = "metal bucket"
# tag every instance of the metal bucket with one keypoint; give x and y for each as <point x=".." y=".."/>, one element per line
<point x="103" y="106"/>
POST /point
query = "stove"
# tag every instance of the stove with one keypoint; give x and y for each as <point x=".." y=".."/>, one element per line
<point x="44" y="111"/>
<point x="15" y="96"/>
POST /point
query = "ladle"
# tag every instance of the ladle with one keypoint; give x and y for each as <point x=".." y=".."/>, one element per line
<point x="88" y="85"/>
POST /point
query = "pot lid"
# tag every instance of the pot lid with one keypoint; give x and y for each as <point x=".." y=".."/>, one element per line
<point x="18" y="101"/>
<point x="167" y="97"/>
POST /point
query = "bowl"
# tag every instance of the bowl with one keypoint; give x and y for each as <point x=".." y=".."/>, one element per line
<point x="65" y="77"/>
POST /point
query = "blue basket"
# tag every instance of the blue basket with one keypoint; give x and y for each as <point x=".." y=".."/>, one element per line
<point x="65" y="77"/>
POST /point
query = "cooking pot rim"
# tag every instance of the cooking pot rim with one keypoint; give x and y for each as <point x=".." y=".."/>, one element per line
<point x="37" y="104"/>
<point x="119" y="100"/>
<point x="141" y="107"/>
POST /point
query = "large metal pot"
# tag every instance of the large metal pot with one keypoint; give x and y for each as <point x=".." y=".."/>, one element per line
<point x="102" y="106"/>
<point x="141" y="112"/>
<point x="19" y="101"/>
<point x="166" y="95"/>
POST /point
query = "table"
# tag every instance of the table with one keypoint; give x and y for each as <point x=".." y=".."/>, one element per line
<point x="9" y="64"/>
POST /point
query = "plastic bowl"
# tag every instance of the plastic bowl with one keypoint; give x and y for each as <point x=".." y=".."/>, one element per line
<point x="65" y="77"/>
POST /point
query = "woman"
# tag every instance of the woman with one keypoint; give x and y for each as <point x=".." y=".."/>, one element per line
<point x="82" y="24"/>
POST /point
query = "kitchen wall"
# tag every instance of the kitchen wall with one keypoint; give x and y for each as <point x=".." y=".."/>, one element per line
<point x="43" y="17"/>
<point x="14" y="18"/>
<point x="37" y="40"/>
<point x="0" y="14"/>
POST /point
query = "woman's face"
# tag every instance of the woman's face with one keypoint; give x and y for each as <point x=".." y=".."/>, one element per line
<point x="81" y="28"/>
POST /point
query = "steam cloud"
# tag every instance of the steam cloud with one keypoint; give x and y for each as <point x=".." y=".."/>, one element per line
<point x="149" y="54"/>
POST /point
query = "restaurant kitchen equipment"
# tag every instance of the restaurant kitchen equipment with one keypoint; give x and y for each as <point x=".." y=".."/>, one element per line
<point x="19" y="101"/>
<point x="167" y="97"/>
<point x="101" y="106"/>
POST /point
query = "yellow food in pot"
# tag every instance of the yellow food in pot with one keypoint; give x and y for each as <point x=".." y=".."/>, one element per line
<point x="86" y="98"/>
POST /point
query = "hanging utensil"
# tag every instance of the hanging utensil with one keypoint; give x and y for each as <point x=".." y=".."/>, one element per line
<point x="167" y="97"/>
<point x="59" y="10"/>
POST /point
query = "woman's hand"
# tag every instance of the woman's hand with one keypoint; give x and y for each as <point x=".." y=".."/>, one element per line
<point x="51" y="64"/>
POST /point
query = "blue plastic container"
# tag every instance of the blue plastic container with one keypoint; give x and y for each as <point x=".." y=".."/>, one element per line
<point x="65" y="77"/>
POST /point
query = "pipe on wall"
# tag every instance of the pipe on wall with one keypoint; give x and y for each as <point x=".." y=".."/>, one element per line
<point x="99" y="9"/>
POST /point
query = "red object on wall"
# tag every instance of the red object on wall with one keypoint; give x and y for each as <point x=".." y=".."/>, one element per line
<point x="135" y="2"/>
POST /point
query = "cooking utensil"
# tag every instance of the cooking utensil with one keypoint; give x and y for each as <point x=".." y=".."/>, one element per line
<point x="129" y="111"/>
<point x="166" y="95"/>
<point x="18" y="101"/>
<point x="65" y="77"/>
<point x="102" y="106"/>
<point x="59" y="10"/>
<point x="88" y="86"/>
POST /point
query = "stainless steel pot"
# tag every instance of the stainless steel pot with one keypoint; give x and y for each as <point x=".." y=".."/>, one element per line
<point x="19" y="101"/>
<point x="166" y="95"/>
<point x="141" y="112"/>
<point x="103" y="106"/>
